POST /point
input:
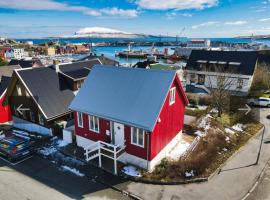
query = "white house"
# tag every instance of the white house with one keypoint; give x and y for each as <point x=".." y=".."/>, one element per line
<point x="19" y="53"/>
<point x="206" y="69"/>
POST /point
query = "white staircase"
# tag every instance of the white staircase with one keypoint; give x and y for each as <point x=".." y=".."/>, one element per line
<point x="101" y="148"/>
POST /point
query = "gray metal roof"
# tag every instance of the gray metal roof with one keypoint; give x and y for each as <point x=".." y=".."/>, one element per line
<point x="49" y="89"/>
<point x="126" y="95"/>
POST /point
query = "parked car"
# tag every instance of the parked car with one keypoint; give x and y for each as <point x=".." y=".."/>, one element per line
<point x="262" y="101"/>
<point x="266" y="94"/>
<point x="14" y="147"/>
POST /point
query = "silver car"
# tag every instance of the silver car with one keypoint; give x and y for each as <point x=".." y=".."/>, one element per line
<point x="262" y="101"/>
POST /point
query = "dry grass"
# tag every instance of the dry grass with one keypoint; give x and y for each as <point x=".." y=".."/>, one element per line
<point x="208" y="155"/>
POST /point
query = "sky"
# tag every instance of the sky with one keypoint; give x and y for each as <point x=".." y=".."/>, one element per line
<point x="185" y="18"/>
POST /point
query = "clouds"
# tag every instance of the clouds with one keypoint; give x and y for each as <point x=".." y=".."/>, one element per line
<point x="176" y="4"/>
<point x="264" y="20"/>
<point x="173" y="15"/>
<point x="216" y="23"/>
<point x="236" y="23"/>
<point x="51" y="5"/>
<point x="206" y="24"/>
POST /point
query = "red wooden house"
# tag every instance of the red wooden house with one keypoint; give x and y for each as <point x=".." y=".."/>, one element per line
<point x="130" y="115"/>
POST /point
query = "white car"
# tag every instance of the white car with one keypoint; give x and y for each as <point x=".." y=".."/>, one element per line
<point x="262" y="101"/>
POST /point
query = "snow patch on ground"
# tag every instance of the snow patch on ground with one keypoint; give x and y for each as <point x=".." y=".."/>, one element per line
<point x="131" y="171"/>
<point x="179" y="150"/>
<point x="61" y="143"/>
<point x="229" y="131"/>
<point x="239" y="127"/>
<point x="72" y="170"/>
<point x="46" y="151"/>
<point x="189" y="174"/>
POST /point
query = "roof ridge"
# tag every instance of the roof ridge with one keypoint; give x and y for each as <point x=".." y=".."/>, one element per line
<point x="138" y="69"/>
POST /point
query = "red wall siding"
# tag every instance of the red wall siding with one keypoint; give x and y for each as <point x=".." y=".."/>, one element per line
<point x="5" y="113"/>
<point x="133" y="149"/>
<point x="86" y="133"/>
<point x="172" y="122"/>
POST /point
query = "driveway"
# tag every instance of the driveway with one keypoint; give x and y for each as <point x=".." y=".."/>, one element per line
<point x="39" y="179"/>
<point x="236" y="179"/>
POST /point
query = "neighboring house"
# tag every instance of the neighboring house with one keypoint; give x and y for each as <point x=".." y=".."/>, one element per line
<point x="135" y="115"/>
<point x="46" y="93"/>
<point x="199" y="44"/>
<point x="5" y="77"/>
<point x="76" y="72"/>
<point x="205" y="69"/>
<point x="103" y="59"/>
<point x="25" y="63"/>
<point x="50" y="51"/>
<point x="9" y="53"/>
<point x="19" y="53"/>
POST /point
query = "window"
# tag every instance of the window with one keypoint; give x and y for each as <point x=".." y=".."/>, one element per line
<point x="94" y="123"/>
<point x="240" y="83"/>
<point x="172" y="95"/>
<point x="79" y="84"/>
<point x="32" y="116"/>
<point x="137" y="137"/>
<point x="80" y="119"/>
<point x="201" y="79"/>
<point x="40" y="119"/>
<point x="192" y="78"/>
<point x="19" y="90"/>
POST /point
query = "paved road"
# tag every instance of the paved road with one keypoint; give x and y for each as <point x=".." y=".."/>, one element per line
<point x="232" y="184"/>
<point x="38" y="179"/>
<point x="262" y="191"/>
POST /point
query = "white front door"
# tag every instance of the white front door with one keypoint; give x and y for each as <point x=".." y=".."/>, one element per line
<point x="118" y="134"/>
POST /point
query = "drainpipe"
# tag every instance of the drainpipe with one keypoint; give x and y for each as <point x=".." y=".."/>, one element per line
<point x="147" y="150"/>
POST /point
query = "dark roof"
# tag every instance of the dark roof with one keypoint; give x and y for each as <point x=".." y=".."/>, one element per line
<point x="103" y="59"/>
<point x="4" y="81"/>
<point x="49" y="89"/>
<point x="26" y="63"/>
<point x="131" y="96"/>
<point x="143" y="64"/>
<point x="247" y="59"/>
<point x="79" y="69"/>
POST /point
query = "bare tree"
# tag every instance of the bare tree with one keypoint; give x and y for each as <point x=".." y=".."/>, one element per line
<point x="221" y="83"/>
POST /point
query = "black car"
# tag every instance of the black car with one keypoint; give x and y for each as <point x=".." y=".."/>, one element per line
<point x="15" y="147"/>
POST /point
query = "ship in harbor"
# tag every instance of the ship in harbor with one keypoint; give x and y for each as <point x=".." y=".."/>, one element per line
<point x="129" y="53"/>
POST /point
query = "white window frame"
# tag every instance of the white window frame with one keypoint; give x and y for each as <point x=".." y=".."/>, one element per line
<point x="91" y="117"/>
<point x="136" y="131"/>
<point x="172" y="95"/>
<point x="78" y="121"/>
<point x="19" y="90"/>
<point x="240" y="83"/>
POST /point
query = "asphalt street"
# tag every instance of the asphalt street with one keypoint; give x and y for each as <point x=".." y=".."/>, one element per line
<point x="39" y="179"/>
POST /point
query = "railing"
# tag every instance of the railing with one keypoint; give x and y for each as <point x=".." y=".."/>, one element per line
<point x="101" y="148"/>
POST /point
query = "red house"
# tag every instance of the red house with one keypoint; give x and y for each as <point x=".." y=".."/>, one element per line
<point x="130" y="115"/>
<point x="5" y="77"/>
<point x="5" y="114"/>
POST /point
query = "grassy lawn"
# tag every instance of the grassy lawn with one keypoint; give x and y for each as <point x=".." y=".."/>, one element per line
<point x="211" y="151"/>
<point x="195" y="112"/>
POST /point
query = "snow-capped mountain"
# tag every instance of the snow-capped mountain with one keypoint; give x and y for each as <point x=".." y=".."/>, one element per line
<point x="101" y="32"/>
